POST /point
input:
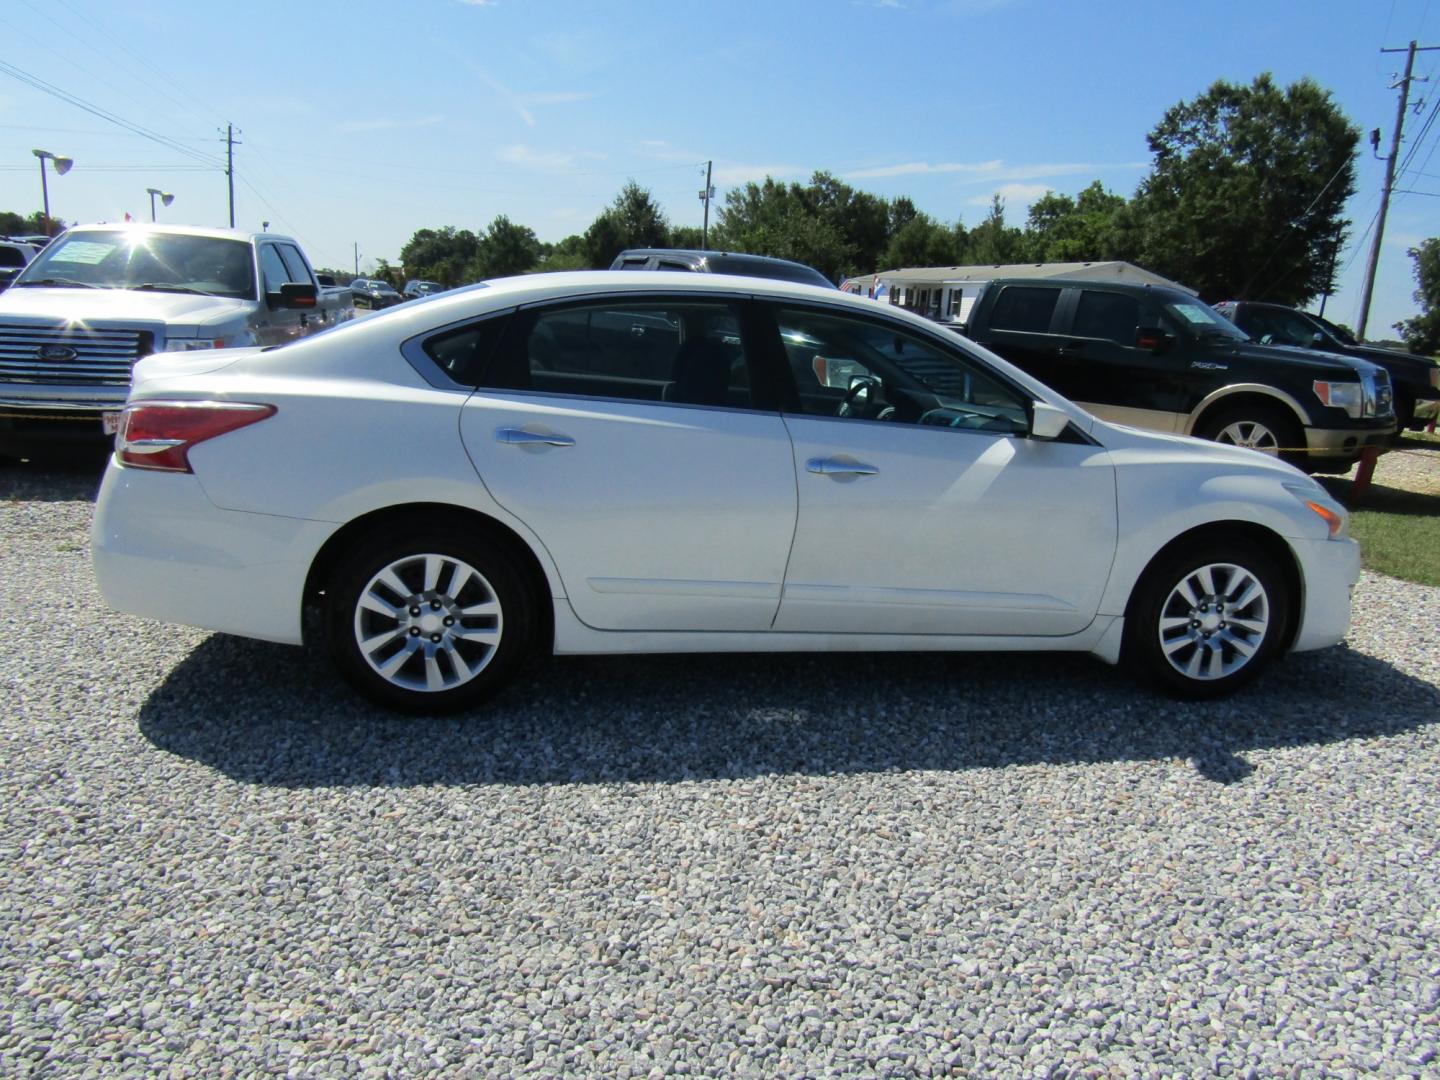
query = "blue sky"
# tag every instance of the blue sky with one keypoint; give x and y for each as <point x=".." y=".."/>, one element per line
<point x="364" y="121"/>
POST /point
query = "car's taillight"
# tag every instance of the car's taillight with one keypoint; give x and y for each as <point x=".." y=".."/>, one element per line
<point x="160" y="434"/>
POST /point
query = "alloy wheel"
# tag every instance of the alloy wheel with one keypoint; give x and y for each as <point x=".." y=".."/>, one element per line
<point x="1214" y="621"/>
<point x="428" y="622"/>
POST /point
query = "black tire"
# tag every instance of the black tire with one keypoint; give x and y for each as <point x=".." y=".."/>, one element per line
<point x="1165" y="654"/>
<point x="469" y="671"/>
<point x="1274" y="427"/>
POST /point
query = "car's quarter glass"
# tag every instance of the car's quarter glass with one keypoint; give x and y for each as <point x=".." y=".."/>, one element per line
<point x="625" y="433"/>
<point x="925" y="507"/>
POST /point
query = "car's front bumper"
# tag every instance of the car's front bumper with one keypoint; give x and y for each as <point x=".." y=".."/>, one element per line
<point x="1346" y="442"/>
<point x="164" y="551"/>
<point x="1329" y="570"/>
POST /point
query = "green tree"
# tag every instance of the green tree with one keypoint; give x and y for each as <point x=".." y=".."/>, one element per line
<point x="13" y="224"/>
<point x="1422" y="333"/>
<point x="1082" y="229"/>
<point x="445" y="255"/>
<point x="568" y="254"/>
<point x="992" y="242"/>
<point x="633" y="220"/>
<point x="920" y="241"/>
<point x="1247" y="188"/>
<point x="505" y="249"/>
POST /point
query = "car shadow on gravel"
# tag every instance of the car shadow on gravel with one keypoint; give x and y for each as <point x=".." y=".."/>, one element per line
<point x="70" y="478"/>
<point x="278" y="715"/>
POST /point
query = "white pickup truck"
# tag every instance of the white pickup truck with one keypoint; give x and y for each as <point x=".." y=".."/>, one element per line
<point x="75" y="320"/>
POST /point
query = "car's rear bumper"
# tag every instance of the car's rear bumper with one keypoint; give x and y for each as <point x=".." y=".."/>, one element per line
<point x="1329" y="570"/>
<point x="164" y="551"/>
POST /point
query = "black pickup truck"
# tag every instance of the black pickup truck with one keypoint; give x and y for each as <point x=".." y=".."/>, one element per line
<point x="1158" y="358"/>
<point x="1413" y="377"/>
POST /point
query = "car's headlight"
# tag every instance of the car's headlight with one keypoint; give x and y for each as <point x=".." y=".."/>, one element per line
<point x="186" y="344"/>
<point x="1315" y="499"/>
<point x="1349" y="396"/>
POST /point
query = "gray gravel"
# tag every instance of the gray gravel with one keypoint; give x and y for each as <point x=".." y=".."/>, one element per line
<point x="217" y="861"/>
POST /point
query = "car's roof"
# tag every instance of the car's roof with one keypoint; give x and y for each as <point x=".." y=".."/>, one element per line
<point x="175" y="230"/>
<point x="536" y="288"/>
<point x="1134" y="287"/>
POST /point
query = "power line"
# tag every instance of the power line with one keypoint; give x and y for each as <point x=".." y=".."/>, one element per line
<point x="104" y="114"/>
<point x="112" y="38"/>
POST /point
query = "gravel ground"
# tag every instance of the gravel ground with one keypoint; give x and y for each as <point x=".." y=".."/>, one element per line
<point x="217" y="861"/>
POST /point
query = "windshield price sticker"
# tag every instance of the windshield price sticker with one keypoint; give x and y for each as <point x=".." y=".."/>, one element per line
<point x="110" y="422"/>
<point x="83" y="251"/>
<point x="1191" y="313"/>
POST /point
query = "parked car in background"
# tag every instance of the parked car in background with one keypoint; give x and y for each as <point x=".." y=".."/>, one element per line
<point x="99" y="297"/>
<point x="719" y="262"/>
<point x="374" y="294"/>
<point x="1158" y="358"/>
<point x="14" y="257"/>
<point x="1415" y="378"/>
<point x="415" y="289"/>
<point x="619" y="463"/>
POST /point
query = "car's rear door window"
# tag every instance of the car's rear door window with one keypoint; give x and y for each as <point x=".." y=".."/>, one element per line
<point x="1024" y="308"/>
<point x="679" y="352"/>
<point x="1108" y="316"/>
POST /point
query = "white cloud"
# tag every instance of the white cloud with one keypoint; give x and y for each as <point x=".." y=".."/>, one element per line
<point x="562" y="97"/>
<point x="987" y="171"/>
<point x="480" y="3"/>
<point x="541" y="160"/>
<point x="1015" y="195"/>
<point x="728" y="175"/>
<point x="386" y="123"/>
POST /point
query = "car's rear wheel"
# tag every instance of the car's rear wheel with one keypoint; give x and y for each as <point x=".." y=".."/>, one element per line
<point x="1207" y="617"/>
<point x="429" y="622"/>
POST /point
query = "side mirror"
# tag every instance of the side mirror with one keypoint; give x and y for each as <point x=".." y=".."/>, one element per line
<point x="294" y="294"/>
<point x="1317" y="340"/>
<point x="1046" y="421"/>
<point x="1152" y="338"/>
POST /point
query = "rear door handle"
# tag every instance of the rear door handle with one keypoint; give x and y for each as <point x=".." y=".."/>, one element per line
<point x="520" y="437"/>
<point x="834" y="467"/>
<point x="1071" y="348"/>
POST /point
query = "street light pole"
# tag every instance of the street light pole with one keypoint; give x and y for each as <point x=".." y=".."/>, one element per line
<point x="165" y="197"/>
<point x="62" y="166"/>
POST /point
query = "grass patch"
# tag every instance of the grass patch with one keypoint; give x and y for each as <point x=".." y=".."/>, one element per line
<point x="1398" y="529"/>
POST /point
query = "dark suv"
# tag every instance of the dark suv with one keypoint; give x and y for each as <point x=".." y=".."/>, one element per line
<point x="1158" y="358"/>
<point x="1414" y="377"/>
<point x="719" y="262"/>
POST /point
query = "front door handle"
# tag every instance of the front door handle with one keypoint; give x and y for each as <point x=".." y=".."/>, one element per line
<point x="520" y="437"/>
<point x="1070" y="348"/>
<point x="837" y="467"/>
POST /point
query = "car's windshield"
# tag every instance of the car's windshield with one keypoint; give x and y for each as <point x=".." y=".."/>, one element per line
<point x="1204" y="321"/>
<point x="135" y="258"/>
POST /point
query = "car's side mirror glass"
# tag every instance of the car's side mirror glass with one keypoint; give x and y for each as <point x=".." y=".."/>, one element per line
<point x="1317" y="341"/>
<point x="1046" y="421"/>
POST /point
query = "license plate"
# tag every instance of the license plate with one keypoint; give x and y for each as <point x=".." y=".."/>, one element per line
<point x="110" y="422"/>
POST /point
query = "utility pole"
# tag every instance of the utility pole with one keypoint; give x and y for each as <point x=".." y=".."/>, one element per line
<point x="705" y="197"/>
<point x="357" y="258"/>
<point x="230" y="145"/>
<point x="1370" y="266"/>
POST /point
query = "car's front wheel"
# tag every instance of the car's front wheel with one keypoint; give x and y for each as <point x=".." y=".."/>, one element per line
<point x="1207" y="617"/>
<point x="429" y="622"/>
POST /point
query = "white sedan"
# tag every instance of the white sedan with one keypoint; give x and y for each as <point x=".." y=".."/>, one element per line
<point x="670" y="462"/>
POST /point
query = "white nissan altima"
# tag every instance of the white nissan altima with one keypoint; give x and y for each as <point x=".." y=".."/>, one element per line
<point x="670" y="462"/>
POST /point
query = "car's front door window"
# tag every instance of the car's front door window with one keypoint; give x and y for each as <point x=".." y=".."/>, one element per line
<point x="870" y="370"/>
